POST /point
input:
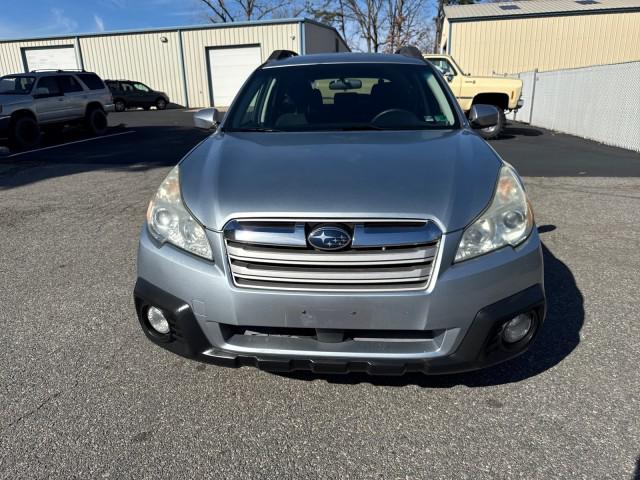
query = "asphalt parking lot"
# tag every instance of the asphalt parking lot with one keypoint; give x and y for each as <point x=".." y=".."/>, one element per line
<point x="85" y="395"/>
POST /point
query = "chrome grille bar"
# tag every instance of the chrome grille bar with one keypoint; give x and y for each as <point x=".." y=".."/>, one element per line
<point x="384" y="255"/>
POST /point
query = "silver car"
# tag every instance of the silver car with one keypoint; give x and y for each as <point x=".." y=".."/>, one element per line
<point x="30" y="102"/>
<point x="344" y="216"/>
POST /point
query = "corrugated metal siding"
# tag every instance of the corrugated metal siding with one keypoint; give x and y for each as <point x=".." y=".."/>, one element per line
<point x="546" y="43"/>
<point x="320" y="39"/>
<point x="11" y="54"/>
<point x="141" y="57"/>
<point x="269" y="37"/>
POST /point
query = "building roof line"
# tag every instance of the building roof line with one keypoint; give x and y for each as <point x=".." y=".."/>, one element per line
<point x="278" y="21"/>
<point x="533" y="8"/>
<point x="566" y="13"/>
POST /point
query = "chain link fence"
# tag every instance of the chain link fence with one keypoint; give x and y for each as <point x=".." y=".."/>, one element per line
<point x="601" y="103"/>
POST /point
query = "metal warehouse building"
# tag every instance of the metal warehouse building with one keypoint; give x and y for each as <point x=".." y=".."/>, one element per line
<point x="506" y="38"/>
<point x="197" y="66"/>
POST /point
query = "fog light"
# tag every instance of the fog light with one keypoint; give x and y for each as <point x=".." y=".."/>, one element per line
<point x="517" y="328"/>
<point x="157" y="320"/>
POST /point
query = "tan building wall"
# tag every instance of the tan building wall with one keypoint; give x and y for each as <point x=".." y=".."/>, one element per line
<point x="319" y="40"/>
<point x="269" y="37"/>
<point x="11" y="52"/>
<point x="143" y="57"/>
<point x="485" y="47"/>
<point x="154" y="57"/>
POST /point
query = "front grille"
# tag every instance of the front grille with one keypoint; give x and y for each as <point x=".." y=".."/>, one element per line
<point x="383" y="255"/>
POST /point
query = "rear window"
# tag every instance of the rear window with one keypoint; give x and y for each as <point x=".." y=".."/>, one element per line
<point x="113" y="85"/>
<point x="91" y="80"/>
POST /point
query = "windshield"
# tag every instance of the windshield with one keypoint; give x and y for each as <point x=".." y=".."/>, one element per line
<point x="16" y="85"/>
<point x="356" y="96"/>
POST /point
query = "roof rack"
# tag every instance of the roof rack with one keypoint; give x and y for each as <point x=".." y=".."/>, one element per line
<point x="57" y="70"/>
<point x="281" y="55"/>
<point x="410" y="51"/>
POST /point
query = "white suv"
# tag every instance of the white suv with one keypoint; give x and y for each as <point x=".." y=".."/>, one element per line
<point x="51" y="100"/>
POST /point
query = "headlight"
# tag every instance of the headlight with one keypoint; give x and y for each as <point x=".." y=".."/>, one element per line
<point x="507" y="221"/>
<point x="169" y="221"/>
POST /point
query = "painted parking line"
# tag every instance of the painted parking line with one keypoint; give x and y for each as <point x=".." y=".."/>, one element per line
<point x="69" y="143"/>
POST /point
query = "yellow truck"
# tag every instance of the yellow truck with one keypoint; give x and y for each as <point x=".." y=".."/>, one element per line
<point x="502" y="92"/>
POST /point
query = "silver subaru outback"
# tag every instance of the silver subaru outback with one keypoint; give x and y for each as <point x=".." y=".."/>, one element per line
<point x="344" y="216"/>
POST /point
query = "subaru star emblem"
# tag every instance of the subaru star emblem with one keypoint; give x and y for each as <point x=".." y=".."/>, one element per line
<point x="329" y="238"/>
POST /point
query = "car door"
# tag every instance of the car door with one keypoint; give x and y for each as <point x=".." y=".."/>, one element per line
<point x="49" y="100"/>
<point x="450" y="74"/>
<point x="75" y="96"/>
<point x="146" y="97"/>
<point x="129" y="94"/>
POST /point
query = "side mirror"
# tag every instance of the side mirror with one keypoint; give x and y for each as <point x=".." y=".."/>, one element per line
<point x="41" y="92"/>
<point x="207" y="118"/>
<point x="449" y="77"/>
<point x="483" y="116"/>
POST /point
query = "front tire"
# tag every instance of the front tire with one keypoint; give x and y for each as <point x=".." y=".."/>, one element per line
<point x="25" y="133"/>
<point x="491" y="133"/>
<point x="96" y="121"/>
<point x="161" y="104"/>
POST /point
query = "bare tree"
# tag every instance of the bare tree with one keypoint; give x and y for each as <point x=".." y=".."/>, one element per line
<point x="406" y="24"/>
<point x="222" y="11"/>
<point x="439" y="20"/>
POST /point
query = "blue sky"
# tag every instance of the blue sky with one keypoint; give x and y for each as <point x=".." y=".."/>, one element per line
<point x="55" y="17"/>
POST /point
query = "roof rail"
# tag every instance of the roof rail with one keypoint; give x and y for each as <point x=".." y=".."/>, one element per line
<point x="410" y="51"/>
<point x="57" y="70"/>
<point x="281" y="55"/>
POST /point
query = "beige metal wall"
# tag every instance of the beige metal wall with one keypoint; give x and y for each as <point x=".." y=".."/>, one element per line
<point x="269" y="37"/>
<point x="319" y="39"/>
<point x="140" y="56"/>
<point x="143" y="56"/>
<point x="11" y="54"/>
<point x="546" y="43"/>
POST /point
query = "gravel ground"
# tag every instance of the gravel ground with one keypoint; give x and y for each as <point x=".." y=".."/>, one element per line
<point x="85" y="395"/>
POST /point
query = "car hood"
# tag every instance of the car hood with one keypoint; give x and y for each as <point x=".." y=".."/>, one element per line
<point x="448" y="176"/>
<point x="12" y="99"/>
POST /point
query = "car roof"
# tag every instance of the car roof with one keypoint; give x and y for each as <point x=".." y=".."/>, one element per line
<point x="324" y="58"/>
<point x="47" y="73"/>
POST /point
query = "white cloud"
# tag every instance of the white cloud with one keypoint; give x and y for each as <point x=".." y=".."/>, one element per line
<point x="99" y="22"/>
<point x="56" y="23"/>
<point x="60" y="23"/>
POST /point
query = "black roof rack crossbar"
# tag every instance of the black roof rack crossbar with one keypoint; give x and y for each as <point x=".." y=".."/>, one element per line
<point x="410" y="51"/>
<point x="57" y="70"/>
<point x="281" y="55"/>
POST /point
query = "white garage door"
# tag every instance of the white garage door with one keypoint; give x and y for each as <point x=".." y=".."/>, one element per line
<point x="230" y="67"/>
<point x="61" y="58"/>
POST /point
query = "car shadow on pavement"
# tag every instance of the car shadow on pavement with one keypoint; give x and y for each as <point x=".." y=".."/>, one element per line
<point x="559" y="336"/>
<point x="138" y="148"/>
<point x="513" y="130"/>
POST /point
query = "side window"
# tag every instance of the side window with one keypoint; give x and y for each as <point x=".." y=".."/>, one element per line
<point x="127" y="87"/>
<point x="113" y="86"/>
<point x="91" y="80"/>
<point x="51" y="85"/>
<point x="69" y="84"/>
<point x="443" y="65"/>
<point x="141" y="87"/>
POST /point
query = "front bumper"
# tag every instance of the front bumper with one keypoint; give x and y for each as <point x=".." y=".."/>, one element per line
<point x="461" y="316"/>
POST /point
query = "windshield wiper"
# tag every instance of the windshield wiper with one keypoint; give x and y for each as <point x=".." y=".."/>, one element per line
<point x="254" y="129"/>
<point x="350" y="128"/>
